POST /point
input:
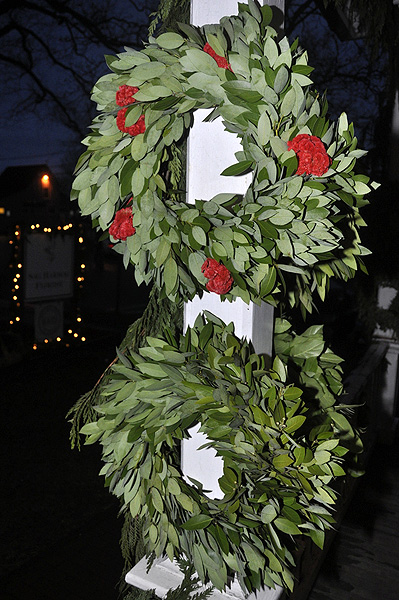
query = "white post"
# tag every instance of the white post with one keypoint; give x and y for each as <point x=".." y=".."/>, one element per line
<point x="387" y="423"/>
<point x="251" y="321"/>
<point x="203" y="182"/>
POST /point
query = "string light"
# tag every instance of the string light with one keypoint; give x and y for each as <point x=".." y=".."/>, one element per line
<point x="17" y="266"/>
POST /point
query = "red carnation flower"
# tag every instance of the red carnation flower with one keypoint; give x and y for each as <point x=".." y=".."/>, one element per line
<point x="135" y="129"/>
<point x="122" y="226"/>
<point x="311" y="153"/>
<point x="221" y="61"/>
<point x="124" y="95"/>
<point x="220" y="278"/>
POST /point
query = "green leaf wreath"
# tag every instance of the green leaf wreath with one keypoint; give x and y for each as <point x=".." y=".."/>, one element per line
<point x="281" y="450"/>
<point x="290" y="232"/>
<point x="280" y="430"/>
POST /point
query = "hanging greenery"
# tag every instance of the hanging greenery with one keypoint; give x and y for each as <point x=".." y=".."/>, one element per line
<point x="297" y="224"/>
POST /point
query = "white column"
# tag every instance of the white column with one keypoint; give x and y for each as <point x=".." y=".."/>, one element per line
<point x="387" y="423"/>
<point x="203" y="182"/>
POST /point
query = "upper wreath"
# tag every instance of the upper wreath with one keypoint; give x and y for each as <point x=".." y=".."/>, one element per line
<point x="297" y="224"/>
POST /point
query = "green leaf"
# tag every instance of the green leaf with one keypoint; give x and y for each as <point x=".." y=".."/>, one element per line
<point x="170" y="275"/>
<point x="281" y="79"/>
<point x="162" y="252"/>
<point x="294" y="423"/>
<point x="195" y="262"/>
<point x="278" y="146"/>
<point x="282" y="460"/>
<point x="238" y="168"/>
<point x="306" y="347"/>
<point x="197" y="522"/>
<point x="170" y="40"/>
<point x="213" y="41"/>
<point x="271" y="50"/>
<point x="253" y="556"/>
<point x="287" y="526"/>
<point x="341" y="421"/>
<point x="317" y="537"/>
<point x="132" y="115"/>
<point x="282" y="217"/>
<point x="196" y="60"/>
<point x="264" y="129"/>
<point x="83" y="180"/>
<point x="199" y="235"/>
<point x="146" y="72"/>
<point x="268" y="514"/>
<point x="157" y="500"/>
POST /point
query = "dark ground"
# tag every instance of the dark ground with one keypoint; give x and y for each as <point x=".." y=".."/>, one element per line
<point x="59" y="526"/>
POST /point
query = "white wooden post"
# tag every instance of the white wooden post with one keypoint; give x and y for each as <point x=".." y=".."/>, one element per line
<point x="387" y="422"/>
<point x="251" y="321"/>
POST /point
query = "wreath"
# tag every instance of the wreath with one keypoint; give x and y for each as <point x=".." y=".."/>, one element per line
<point x="281" y="449"/>
<point x="297" y="224"/>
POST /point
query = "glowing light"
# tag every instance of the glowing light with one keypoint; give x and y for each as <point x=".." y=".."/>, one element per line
<point x="2" y="210"/>
<point x="17" y="287"/>
<point x="15" y="280"/>
<point x="80" y="240"/>
<point x="75" y="335"/>
<point x="15" y="297"/>
<point x="83" y="339"/>
<point x="18" y="319"/>
<point x="32" y="226"/>
<point x="82" y="266"/>
<point x="11" y="322"/>
<point x="46" y="341"/>
<point x="58" y="339"/>
<point x="18" y="275"/>
<point x="19" y="266"/>
<point x="79" y="319"/>
<point x="18" y="304"/>
<point x="37" y="225"/>
<point x="69" y="330"/>
<point x="16" y="232"/>
<point x="34" y="346"/>
<point x="59" y="227"/>
<point x="10" y="242"/>
<point x="45" y="180"/>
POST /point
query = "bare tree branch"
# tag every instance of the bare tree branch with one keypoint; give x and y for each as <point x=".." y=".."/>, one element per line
<point x="52" y="52"/>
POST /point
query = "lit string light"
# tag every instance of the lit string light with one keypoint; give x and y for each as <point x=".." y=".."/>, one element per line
<point x="16" y="266"/>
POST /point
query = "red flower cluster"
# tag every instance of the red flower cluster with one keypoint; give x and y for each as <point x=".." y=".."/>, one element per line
<point x="311" y="153"/>
<point x="122" y="226"/>
<point x="124" y="95"/>
<point x="220" y="278"/>
<point x="135" y="129"/>
<point x="220" y="60"/>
